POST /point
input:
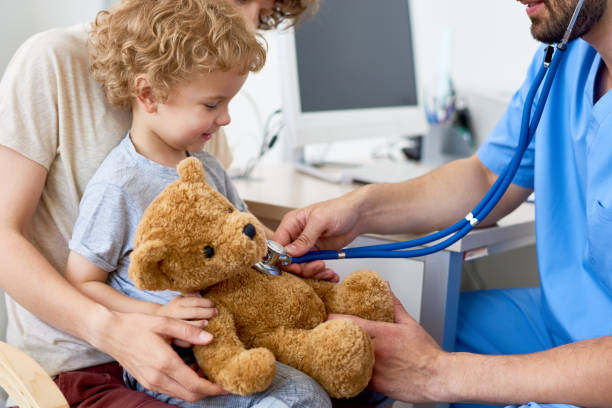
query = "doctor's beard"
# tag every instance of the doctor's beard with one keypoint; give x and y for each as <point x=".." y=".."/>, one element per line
<point x="550" y="29"/>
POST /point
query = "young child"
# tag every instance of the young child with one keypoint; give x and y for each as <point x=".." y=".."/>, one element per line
<point x="176" y="64"/>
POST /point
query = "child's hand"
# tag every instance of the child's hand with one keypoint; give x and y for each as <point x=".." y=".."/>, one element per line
<point x="190" y="307"/>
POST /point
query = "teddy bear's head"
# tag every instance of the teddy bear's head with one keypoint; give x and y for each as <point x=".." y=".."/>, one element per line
<point x="191" y="237"/>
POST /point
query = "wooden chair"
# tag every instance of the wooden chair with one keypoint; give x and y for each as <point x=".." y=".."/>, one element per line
<point x="22" y="377"/>
<point x="26" y="381"/>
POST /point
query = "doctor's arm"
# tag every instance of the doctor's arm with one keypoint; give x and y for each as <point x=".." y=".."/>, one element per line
<point x="427" y="203"/>
<point x="139" y="342"/>
<point x="411" y="367"/>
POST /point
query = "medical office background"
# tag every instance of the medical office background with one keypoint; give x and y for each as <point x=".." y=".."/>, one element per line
<point x="489" y="52"/>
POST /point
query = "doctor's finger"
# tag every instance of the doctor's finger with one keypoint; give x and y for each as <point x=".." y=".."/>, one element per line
<point x="400" y="315"/>
<point x="328" y="275"/>
<point x="311" y="269"/>
<point x="371" y="327"/>
<point x="305" y="270"/>
<point x="307" y="238"/>
<point x="289" y="228"/>
<point x="299" y="231"/>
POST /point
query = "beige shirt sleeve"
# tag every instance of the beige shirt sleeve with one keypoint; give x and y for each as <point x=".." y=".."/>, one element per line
<point x="29" y="118"/>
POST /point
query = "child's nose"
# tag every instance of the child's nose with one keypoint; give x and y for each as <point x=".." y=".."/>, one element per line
<point x="224" y="119"/>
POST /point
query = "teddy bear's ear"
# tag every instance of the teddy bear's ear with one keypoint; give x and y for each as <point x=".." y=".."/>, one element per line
<point x="191" y="170"/>
<point x="144" y="267"/>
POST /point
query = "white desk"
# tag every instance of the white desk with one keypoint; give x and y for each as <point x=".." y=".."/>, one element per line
<point x="427" y="286"/>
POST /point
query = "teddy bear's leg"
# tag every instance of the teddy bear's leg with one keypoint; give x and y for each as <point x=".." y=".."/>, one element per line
<point x="337" y="353"/>
<point x="363" y="293"/>
<point x="228" y="363"/>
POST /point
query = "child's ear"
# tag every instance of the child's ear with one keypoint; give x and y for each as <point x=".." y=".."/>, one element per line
<point x="144" y="94"/>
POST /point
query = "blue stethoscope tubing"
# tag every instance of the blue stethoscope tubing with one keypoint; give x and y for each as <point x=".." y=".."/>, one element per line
<point x="529" y="124"/>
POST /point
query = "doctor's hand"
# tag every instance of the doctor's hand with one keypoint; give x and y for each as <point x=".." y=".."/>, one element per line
<point x="329" y="224"/>
<point x="407" y="359"/>
<point x="141" y="343"/>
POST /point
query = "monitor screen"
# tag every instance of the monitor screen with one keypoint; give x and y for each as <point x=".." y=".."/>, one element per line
<point x="349" y="72"/>
<point x="356" y="54"/>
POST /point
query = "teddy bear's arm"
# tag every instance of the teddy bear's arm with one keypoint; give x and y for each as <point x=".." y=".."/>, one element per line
<point x="228" y="363"/>
<point x="363" y="293"/>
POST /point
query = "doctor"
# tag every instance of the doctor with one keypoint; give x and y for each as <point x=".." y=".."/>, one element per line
<point x="546" y="345"/>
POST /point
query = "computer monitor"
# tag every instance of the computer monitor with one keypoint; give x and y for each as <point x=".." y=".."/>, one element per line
<point x="349" y="72"/>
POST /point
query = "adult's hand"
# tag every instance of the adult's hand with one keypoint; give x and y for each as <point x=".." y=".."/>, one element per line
<point x="142" y="344"/>
<point x="407" y="360"/>
<point x="329" y="224"/>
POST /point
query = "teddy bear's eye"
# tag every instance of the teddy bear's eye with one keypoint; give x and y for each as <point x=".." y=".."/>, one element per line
<point x="209" y="252"/>
<point x="230" y="210"/>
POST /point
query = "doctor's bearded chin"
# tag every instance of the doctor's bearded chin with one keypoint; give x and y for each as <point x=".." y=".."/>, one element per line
<point x="550" y="21"/>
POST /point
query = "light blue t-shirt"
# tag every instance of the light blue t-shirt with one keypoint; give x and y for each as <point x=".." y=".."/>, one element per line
<point x="113" y="203"/>
<point x="569" y="165"/>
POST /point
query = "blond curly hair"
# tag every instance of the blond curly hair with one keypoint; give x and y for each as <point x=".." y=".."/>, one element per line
<point x="169" y="40"/>
<point x="289" y="12"/>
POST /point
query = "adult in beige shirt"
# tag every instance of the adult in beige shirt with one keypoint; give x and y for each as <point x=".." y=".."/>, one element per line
<point x="57" y="127"/>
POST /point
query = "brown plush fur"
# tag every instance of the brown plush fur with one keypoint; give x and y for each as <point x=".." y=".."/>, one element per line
<point x="262" y="318"/>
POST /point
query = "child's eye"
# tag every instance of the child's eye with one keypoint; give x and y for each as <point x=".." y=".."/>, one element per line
<point x="210" y="106"/>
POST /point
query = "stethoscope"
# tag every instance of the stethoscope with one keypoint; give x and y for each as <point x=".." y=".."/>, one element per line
<point x="277" y="256"/>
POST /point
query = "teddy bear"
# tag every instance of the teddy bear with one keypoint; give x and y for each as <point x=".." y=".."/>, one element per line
<point x="191" y="238"/>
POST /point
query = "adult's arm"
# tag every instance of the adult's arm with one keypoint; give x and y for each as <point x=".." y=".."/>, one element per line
<point x="576" y="373"/>
<point x="435" y="200"/>
<point x="430" y="202"/>
<point x="140" y="342"/>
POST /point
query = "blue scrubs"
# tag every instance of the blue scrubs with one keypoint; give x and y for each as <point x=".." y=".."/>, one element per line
<point x="569" y="165"/>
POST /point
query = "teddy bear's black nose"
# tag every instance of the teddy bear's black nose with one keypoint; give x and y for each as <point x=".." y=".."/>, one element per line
<point x="249" y="231"/>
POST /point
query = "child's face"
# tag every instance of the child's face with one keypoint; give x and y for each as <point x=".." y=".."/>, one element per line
<point x="196" y="109"/>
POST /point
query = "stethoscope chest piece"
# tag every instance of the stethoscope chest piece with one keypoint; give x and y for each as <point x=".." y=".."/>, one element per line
<point x="276" y="257"/>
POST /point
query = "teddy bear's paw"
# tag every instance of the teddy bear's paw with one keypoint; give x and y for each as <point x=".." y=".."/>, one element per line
<point x="365" y="294"/>
<point x="341" y="357"/>
<point x="249" y="372"/>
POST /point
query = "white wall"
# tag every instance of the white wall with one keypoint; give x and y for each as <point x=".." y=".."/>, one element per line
<point x="259" y="97"/>
<point x="491" y="42"/>
<point x="19" y="19"/>
<point x="491" y="47"/>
